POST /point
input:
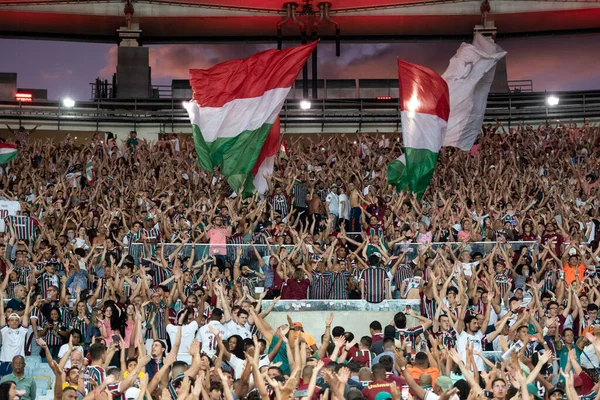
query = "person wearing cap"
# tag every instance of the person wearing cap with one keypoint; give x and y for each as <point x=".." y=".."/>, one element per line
<point x="310" y="341"/>
<point x="13" y="335"/>
<point x="556" y="394"/>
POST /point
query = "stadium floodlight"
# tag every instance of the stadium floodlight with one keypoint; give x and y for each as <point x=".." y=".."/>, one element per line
<point x="305" y="105"/>
<point x="552" y="100"/>
<point x="68" y="102"/>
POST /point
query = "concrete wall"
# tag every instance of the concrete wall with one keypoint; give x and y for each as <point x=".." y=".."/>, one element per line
<point x="133" y="73"/>
<point x="8" y="86"/>
<point x="354" y="315"/>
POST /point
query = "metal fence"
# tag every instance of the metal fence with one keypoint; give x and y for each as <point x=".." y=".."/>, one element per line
<point x="227" y="253"/>
<point x="509" y="108"/>
<point x="203" y="252"/>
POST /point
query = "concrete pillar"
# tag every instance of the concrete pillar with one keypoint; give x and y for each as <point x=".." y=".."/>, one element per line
<point x="8" y="86"/>
<point x="133" y="65"/>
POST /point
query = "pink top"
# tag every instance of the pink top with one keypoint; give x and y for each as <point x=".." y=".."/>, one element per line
<point x="129" y="326"/>
<point x="109" y="331"/>
<point x="218" y="241"/>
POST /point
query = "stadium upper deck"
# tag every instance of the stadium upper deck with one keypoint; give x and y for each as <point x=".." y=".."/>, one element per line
<point x="164" y="21"/>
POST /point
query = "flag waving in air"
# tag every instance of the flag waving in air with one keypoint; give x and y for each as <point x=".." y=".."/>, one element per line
<point x="8" y="152"/>
<point x="424" y="109"/>
<point x="470" y="75"/>
<point x="235" y="113"/>
<point x="90" y="174"/>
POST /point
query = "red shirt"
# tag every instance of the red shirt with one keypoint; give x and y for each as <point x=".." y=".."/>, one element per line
<point x="375" y="387"/>
<point x="376" y="338"/>
<point x="395" y="378"/>
<point x="294" y="290"/>
<point x="304" y="386"/>
<point x="363" y="357"/>
<point x="553" y="239"/>
<point x="587" y="384"/>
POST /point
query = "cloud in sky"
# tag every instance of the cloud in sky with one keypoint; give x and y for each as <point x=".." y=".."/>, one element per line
<point x="356" y="60"/>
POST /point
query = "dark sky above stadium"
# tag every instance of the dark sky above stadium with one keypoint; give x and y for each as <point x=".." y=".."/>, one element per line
<point x="66" y="68"/>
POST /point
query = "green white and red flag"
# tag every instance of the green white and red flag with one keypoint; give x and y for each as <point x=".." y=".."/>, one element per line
<point x="90" y="174"/>
<point x="8" y="152"/>
<point x="424" y="110"/>
<point x="235" y="113"/>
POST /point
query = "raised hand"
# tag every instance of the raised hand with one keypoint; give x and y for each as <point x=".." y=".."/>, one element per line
<point x="344" y="375"/>
<point x="284" y="329"/>
<point x="194" y="347"/>
<point x="170" y="358"/>
<point x="329" y="319"/>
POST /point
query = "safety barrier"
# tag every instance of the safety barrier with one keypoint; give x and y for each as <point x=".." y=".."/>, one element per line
<point x="227" y="253"/>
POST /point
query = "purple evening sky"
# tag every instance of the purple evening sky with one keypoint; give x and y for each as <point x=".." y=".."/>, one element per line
<point x="67" y="68"/>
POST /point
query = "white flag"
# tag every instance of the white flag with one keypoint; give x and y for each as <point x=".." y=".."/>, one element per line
<point x="469" y="76"/>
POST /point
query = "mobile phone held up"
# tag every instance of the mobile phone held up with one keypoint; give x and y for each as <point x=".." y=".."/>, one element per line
<point x="404" y="392"/>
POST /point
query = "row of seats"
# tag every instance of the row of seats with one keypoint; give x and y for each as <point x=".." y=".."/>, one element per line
<point x="43" y="375"/>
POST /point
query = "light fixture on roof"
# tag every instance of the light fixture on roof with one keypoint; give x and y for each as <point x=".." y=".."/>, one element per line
<point x="68" y="102"/>
<point x="552" y="100"/>
<point x="305" y="105"/>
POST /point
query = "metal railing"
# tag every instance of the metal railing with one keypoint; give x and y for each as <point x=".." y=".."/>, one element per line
<point x="227" y="253"/>
<point x="508" y="108"/>
<point x="331" y="89"/>
<point x="202" y="252"/>
<point x="105" y="91"/>
<point x="521" y="86"/>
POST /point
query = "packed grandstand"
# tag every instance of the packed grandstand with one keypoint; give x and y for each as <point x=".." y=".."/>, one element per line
<point x="148" y="281"/>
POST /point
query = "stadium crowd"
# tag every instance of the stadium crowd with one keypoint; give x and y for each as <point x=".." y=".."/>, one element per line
<point x="145" y="277"/>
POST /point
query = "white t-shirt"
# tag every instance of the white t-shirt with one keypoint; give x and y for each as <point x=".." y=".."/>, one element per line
<point x="64" y="349"/>
<point x="237" y="365"/>
<point x="188" y="333"/>
<point x="12" y="208"/>
<point x="467" y="268"/>
<point x="589" y="359"/>
<point x="461" y="347"/>
<point x="345" y="201"/>
<point x="208" y="340"/>
<point x="13" y="343"/>
<point x="429" y="395"/>
<point x="333" y="201"/>
<point x="235" y="329"/>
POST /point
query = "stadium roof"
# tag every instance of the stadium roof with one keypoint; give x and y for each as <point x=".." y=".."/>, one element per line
<point x="175" y="21"/>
